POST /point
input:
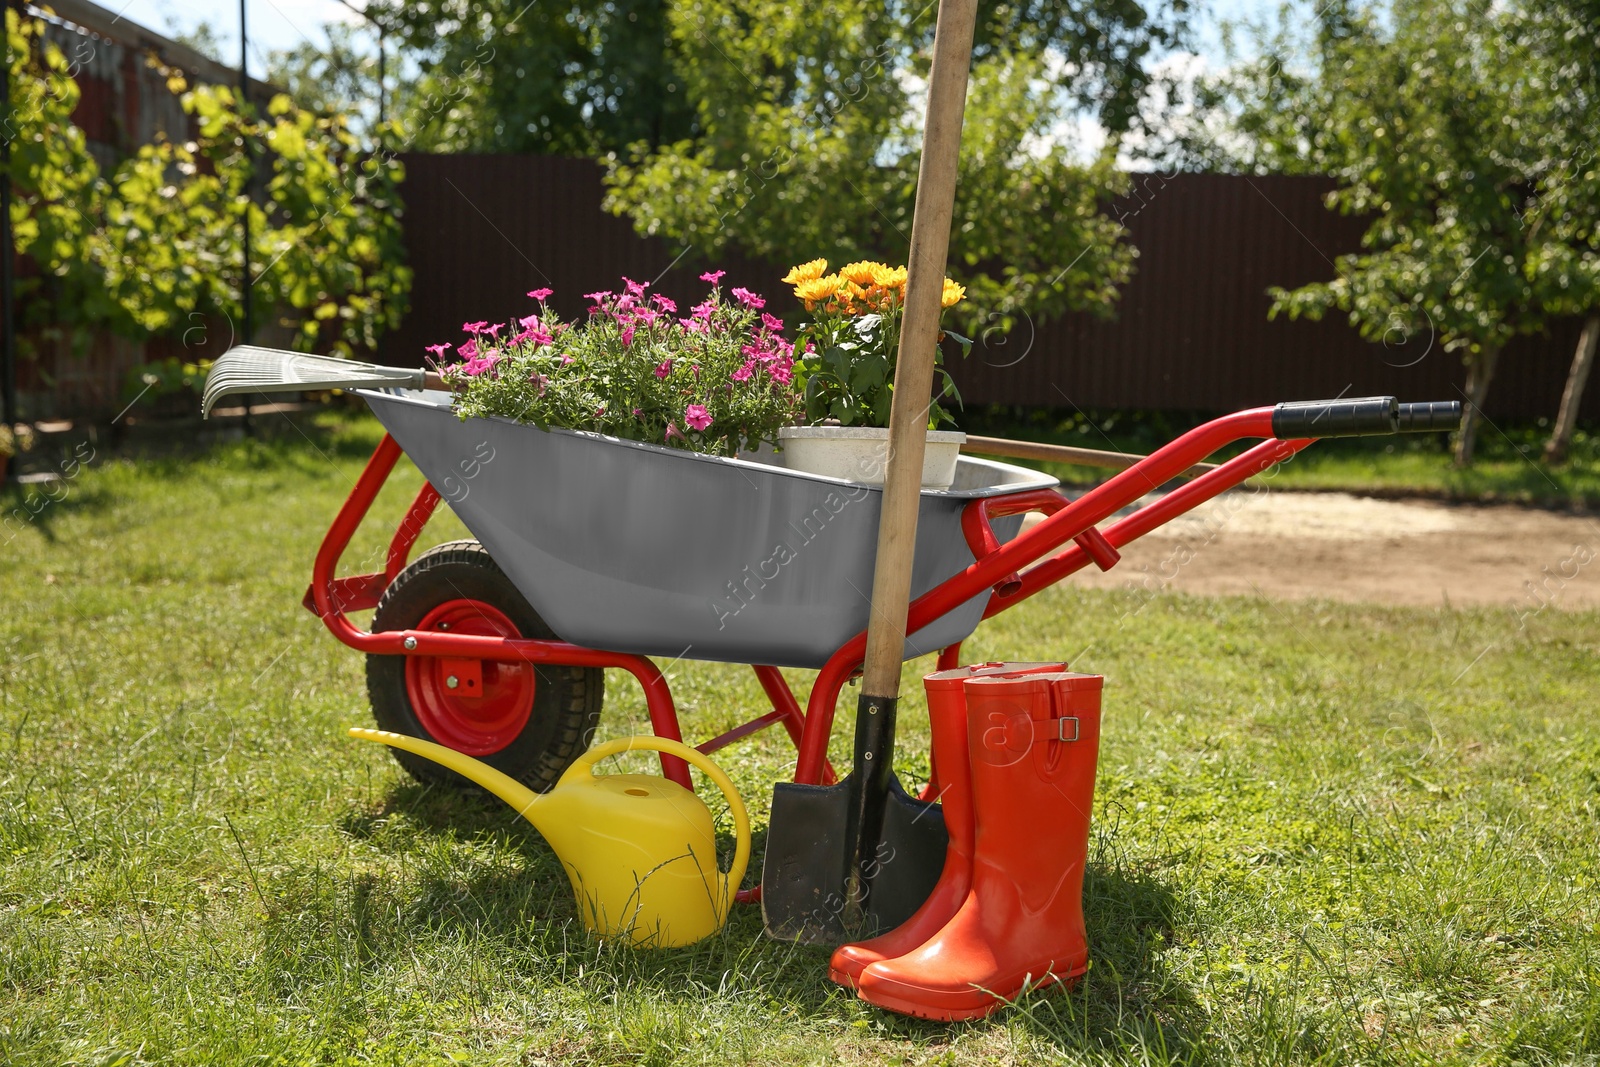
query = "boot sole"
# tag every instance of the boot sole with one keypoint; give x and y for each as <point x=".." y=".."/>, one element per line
<point x="844" y="978"/>
<point x="948" y="1007"/>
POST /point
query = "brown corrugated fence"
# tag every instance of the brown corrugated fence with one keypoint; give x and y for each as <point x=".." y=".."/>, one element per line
<point x="1191" y="331"/>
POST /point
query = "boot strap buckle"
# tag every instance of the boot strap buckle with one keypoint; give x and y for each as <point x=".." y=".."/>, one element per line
<point x="1063" y="724"/>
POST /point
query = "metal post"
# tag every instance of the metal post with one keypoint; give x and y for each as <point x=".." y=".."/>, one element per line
<point x="247" y="327"/>
<point x="381" y="97"/>
<point x="8" y="323"/>
<point x="246" y="311"/>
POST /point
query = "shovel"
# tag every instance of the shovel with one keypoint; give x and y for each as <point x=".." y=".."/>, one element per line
<point x="851" y="860"/>
<point x="248" y="369"/>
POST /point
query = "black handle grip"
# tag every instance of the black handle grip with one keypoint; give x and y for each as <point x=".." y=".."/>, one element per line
<point x="1430" y="415"/>
<point x="1336" y="418"/>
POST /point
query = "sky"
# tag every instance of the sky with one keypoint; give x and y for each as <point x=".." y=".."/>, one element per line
<point x="285" y="23"/>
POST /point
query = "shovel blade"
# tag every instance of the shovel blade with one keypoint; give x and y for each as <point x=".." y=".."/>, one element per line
<point x="810" y="890"/>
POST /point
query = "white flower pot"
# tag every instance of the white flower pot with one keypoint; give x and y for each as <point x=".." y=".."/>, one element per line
<point x="858" y="454"/>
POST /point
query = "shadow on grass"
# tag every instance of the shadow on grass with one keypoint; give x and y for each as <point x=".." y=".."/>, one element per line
<point x="1127" y="1003"/>
<point x="527" y="912"/>
<point x="34" y="509"/>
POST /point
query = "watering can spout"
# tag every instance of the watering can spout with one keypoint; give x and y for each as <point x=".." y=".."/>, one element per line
<point x="499" y="783"/>
<point x="639" y="850"/>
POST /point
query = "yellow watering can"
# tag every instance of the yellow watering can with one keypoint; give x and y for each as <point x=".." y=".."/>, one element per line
<point x="640" y="850"/>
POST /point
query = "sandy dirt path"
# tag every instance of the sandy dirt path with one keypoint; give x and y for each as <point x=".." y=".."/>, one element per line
<point x="1346" y="547"/>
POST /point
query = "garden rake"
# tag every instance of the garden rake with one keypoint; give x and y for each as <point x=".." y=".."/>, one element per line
<point x="249" y="369"/>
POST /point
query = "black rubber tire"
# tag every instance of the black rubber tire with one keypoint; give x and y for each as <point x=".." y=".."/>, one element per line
<point x="566" y="702"/>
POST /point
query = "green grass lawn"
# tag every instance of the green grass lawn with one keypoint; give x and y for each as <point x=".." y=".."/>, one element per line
<point x="1324" y="833"/>
<point x="1508" y="466"/>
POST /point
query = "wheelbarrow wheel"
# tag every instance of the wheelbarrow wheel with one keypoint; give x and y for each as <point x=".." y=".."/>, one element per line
<point x="528" y="721"/>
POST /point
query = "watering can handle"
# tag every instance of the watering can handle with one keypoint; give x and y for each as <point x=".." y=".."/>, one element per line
<point x="584" y="764"/>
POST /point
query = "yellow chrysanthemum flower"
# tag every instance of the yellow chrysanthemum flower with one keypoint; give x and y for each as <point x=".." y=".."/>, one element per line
<point x="863" y="273"/>
<point x="893" y="278"/>
<point x="805" y="272"/>
<point x="817" y="288"/>
<point x="953" y="294"/>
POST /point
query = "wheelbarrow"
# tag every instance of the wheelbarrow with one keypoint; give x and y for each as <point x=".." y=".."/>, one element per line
<point x="591" y="553"/>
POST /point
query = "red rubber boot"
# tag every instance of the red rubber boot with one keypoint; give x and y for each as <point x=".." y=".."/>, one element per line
<point x="1034" y="743"/>
<point x="947" y="712"/>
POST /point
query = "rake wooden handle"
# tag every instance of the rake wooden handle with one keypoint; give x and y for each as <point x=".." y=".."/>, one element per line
<point x="919" y="340"/>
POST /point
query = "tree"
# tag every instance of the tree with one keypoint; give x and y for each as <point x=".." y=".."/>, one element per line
<point x="596" y="76"/>
<point x="809" y="132"/>
<point x="339" y="79"/>
<point x="138" y="251"/>
<point x="581" y="77"/>
<point x="325" y="233"/>
<point x="1435" y="116"/>
<point x="1569" y="31"/>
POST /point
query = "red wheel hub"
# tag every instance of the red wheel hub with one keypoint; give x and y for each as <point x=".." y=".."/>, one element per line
<point x="473" y="706"/>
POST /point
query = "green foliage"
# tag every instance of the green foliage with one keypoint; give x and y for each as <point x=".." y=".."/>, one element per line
<point x="846" y="355"/>
<point x="157" y="242"/>
<point x="579" y="78"/>
<point x="1448" y="124"/>
<point x="810" y="137"/>
<point x="717" y="380"/>
<point x="14" y="439"/>
<point x="1436" y="130"/>
<point x="593" y="77"/>
<point x="168" y="376"/>
<point x="340" y="78"/>
<point x="56" y="186"/>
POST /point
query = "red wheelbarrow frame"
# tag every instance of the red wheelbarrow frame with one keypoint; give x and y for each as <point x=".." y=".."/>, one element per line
<point x="1012" y="572"/>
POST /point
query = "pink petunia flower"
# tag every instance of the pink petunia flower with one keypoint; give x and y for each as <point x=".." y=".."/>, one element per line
<point x="598" y="298"/>
<point x="437" y="350"/>
<point x="474" y="327"/>
<point x="638" y="414"/>
<point x="635" y="288"/>
<point x="712" y="276"/>
<point x="494" y="331"/>
<point x="771" y="321"/>
<point x="673" y="431"/>
<point x="540" y="294"/>
<point x="565" y="359"/>
<point x="696" y="417"/>
<point x="782" y="371"/>
<point x="475" y="367"/>
<point x="529" y="322"/>
<point x="468" y="350"/>
<point x="703" y="310"/>
<point x="749" y="299"/>
<point x="539" y="381"/>
<point x="665" y="303"/>
<point x="627" y="334"/>
<point x="663" y="368"/>
<point x="743" y="373"/>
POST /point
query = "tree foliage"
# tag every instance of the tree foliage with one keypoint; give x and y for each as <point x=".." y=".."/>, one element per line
<point x="1447" y="124"/>
<point x="589" y="77"/>
<point x="576" y="78"/>
<point x="141" y="250"/>
<point x="810" y="134"/>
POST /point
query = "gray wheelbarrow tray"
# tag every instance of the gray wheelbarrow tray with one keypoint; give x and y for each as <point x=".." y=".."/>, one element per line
<point x="656" y="551"/>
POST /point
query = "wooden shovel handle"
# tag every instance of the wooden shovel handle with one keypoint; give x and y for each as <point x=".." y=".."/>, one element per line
<point x="919" y="339"/>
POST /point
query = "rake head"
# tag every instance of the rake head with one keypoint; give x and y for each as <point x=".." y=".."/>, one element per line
<point x="248" y="369"/>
